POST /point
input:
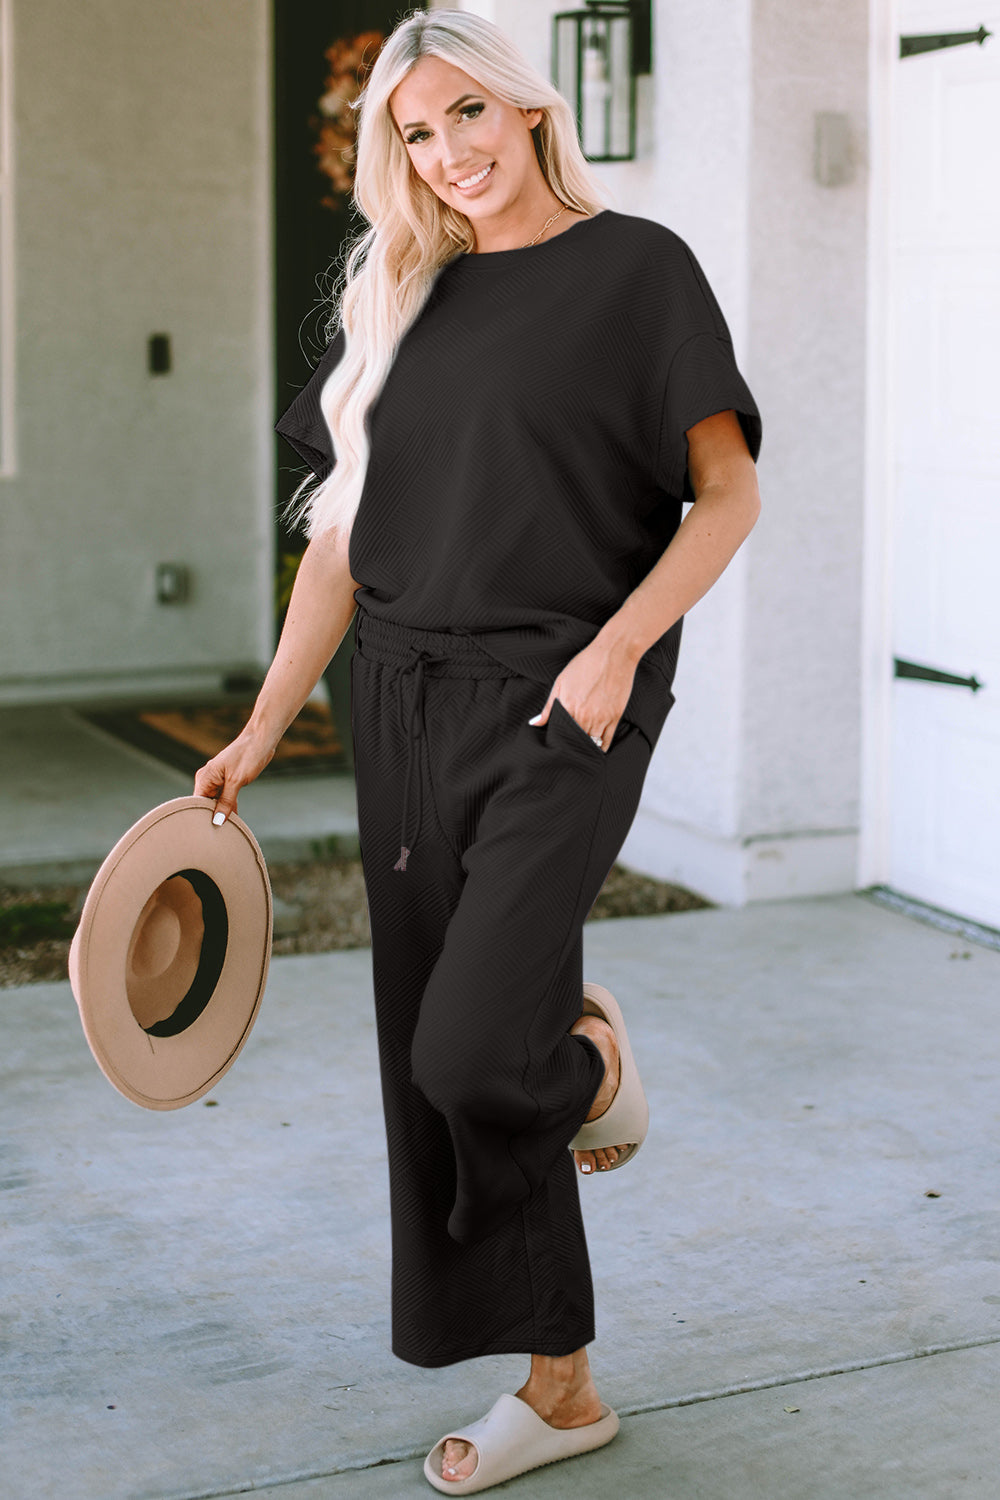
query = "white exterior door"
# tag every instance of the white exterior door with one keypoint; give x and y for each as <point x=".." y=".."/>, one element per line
<point x="944" y="816"/>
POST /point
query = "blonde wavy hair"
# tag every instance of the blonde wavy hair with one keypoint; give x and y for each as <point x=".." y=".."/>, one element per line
<point x="390" y="267"/>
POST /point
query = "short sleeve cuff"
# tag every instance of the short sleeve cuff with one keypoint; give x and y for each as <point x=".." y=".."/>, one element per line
<point x="303" y="425"/>
<point x="703" y="379"/>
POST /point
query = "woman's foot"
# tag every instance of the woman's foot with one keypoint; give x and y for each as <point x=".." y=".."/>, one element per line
<point x="602" y="1035"/>
<point x="560" y="1389"/>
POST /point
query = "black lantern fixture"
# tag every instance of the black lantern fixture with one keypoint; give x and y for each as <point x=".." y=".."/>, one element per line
<point x="596" y="55"/>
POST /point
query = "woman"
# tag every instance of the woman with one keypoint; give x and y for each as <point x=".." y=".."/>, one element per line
<point x="525" y="384"/>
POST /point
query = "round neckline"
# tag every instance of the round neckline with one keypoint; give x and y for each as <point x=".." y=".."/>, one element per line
<point x="502" y="257"/>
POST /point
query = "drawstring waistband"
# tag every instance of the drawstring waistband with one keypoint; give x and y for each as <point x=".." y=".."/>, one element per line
<point x="414" y="652"/>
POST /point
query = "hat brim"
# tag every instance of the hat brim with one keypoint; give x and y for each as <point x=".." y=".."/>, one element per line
<point x="167" y="1072"/>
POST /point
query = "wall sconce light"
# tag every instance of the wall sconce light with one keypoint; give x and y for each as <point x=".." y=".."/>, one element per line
<point x="597" y="54"/>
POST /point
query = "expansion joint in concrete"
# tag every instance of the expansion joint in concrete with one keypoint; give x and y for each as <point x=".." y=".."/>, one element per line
<point x="773" y="1382"/>
<point x="739" y="1388"/>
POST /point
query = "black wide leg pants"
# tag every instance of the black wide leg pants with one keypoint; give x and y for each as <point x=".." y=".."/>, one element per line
<point x="485" y="841"/>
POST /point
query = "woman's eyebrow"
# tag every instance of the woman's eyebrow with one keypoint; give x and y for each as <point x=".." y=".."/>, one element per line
<point x="448" y="111"/>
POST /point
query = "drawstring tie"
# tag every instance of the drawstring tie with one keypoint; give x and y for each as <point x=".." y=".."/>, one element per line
<point x="413" y="729"/>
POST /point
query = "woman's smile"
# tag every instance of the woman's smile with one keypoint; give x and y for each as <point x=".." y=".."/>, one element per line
<point x="470" y="184"/>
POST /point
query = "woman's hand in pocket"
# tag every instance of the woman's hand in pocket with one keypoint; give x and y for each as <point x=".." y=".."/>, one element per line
<point x="593" y="687"/>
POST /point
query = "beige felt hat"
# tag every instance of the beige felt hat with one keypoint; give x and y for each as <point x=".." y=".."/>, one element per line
<point x="169" y="962"/>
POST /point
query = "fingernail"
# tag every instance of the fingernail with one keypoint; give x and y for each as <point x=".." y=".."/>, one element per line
<point x="535" y="719"/>
<point x="219" y="819"/>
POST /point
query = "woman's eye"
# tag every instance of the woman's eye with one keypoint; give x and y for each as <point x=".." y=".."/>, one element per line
<point x="475" y="109"/>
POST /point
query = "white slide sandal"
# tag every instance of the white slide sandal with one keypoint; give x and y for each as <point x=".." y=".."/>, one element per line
<point x="511" y="1439"/>
<point x="626" y="1119"/>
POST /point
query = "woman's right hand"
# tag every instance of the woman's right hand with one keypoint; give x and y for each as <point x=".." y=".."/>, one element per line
<point x="226" y="774"/>
<point x="321" y="608"/>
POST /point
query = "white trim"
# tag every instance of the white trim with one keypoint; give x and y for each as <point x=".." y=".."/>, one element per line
<point x="266" y="232"/>
<point x="736" y="871"/>
<point x="876" y="626"/>
<point x="8" y="324"/>
<point x="484" y="8"/>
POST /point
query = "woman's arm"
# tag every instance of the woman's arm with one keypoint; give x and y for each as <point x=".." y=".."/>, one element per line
<point x="727" y="504"/>
<point x="596" y="684"/>
<point x="320" y="611"/>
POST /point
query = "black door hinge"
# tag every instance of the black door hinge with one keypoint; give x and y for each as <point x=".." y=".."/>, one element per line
<point x="909" y="46"/>
<point x="931" y="674"/>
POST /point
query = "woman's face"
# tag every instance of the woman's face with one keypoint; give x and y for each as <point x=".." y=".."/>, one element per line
<point x="453" y="129"/>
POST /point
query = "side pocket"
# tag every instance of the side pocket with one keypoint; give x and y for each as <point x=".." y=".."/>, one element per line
<point x="623" y="727"/>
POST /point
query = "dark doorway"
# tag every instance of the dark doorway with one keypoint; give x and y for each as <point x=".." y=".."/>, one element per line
<point x="312" y="220"/>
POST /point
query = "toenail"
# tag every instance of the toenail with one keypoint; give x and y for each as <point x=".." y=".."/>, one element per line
<point x="585" y="1167"/>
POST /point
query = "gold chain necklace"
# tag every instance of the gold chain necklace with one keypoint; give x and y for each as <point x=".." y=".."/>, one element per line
<point x="545" y="226"/>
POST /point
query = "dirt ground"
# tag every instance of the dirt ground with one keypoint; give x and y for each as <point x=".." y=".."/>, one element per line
<point x="319" y="907"/>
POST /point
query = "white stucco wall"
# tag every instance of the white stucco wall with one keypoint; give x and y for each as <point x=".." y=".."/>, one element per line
<point x="807" y="337"/>
<point x="142" y="205"/>
<point x="753" y="790"/>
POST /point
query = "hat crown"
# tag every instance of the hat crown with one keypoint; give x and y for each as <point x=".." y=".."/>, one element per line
<point x="156" y="942"/>
<point x="164" y="951"/>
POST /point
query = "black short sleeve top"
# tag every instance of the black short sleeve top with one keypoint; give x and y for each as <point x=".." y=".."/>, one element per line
<point x="528" y="452"/>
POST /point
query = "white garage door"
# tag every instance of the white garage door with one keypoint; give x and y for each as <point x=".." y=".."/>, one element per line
<point x="945" y="401"/>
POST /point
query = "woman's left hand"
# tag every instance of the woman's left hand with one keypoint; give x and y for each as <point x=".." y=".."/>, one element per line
<point x="594" y="687"/>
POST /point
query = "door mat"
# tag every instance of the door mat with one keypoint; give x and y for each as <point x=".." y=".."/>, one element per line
<point x="185" y="736"/>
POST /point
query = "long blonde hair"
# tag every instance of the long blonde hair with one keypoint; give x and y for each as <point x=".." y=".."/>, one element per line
<point x="390" y="267"/>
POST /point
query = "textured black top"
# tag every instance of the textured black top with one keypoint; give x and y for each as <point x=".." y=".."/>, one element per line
<point x="528" y="451"/>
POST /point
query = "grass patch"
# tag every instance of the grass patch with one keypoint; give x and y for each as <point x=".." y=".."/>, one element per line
<point x="34" y="922"/>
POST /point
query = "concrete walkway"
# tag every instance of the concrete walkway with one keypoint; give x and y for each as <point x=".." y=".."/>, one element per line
<point x="196" y="1303"/>
<point x="68" y="791"/>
